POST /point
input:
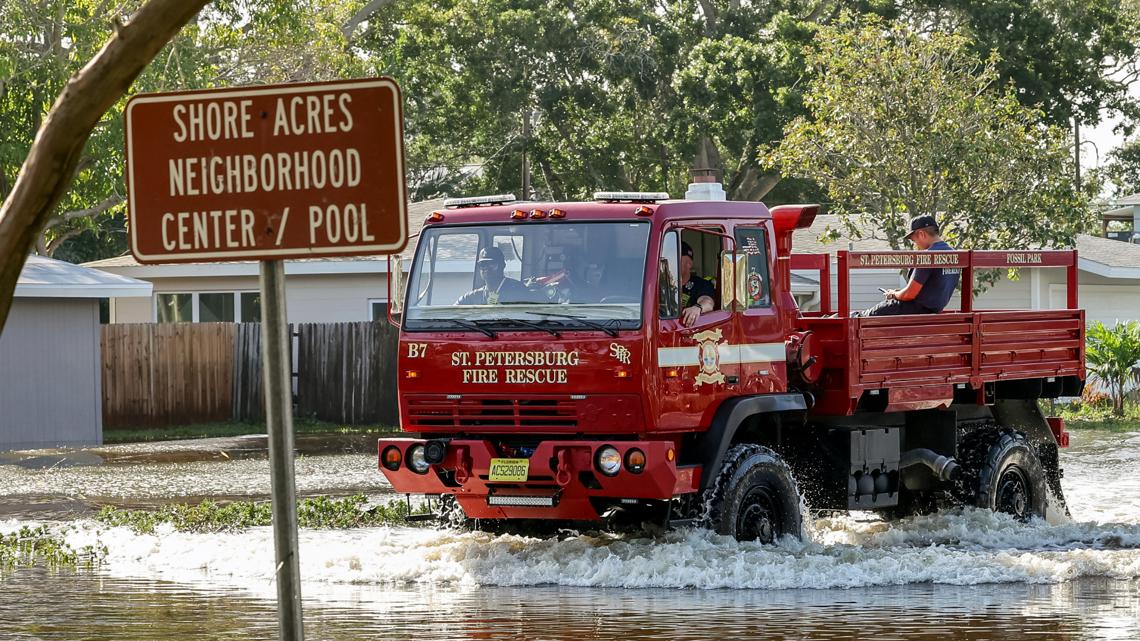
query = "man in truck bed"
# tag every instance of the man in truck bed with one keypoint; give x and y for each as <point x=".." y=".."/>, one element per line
<point x="929" y="289"/>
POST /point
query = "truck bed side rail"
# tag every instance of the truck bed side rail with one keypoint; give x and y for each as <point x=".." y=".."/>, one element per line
<point x="921" y="359"/>
<point x="967" y="261"/>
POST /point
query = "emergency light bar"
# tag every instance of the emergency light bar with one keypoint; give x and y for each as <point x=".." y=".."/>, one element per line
<point x="632" y="196"/>
<point x="474" y="201"/>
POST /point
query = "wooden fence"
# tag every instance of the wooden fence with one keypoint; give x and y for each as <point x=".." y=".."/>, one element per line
<point x="155" y="374"/>
<point x="346" y="372"/>
<point x="183" y="373"/>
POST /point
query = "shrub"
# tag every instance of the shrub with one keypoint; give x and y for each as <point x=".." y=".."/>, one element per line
<point x="1112" y="354"/>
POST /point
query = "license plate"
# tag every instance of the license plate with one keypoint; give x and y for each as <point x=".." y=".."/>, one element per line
<point x="509" y="469"/>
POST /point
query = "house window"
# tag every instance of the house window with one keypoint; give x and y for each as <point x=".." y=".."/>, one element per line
<point x="377" y="309"/>
<point x="216" y="308"/>
<point x="175" y="308"/>
<point x="250" y="307"/>
<point x="208" y="307"/>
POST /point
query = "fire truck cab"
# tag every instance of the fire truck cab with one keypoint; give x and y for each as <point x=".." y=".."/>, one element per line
<point x="554" y="378"/>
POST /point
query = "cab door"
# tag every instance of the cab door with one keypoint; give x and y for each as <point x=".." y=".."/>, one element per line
<point x="696" y="366"/>
<point x="760" y="349"/>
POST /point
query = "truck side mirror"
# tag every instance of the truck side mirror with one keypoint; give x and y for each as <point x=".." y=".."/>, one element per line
<point x="733" y="287"/>
<point x="396" y="288"/>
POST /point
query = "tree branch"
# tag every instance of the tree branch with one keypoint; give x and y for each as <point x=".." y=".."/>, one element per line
<point x="48" y="248"/>
<point x="349" y="27"/>
<point x="47" y="171"/>
<point x="103" y="206"/>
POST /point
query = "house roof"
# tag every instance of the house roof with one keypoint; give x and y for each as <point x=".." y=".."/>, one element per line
<point x="1131" y="199"/>
<point x="44" y="277"/>
<point x="127" y="265"/>
<point x="807" y="241"/>
<point x="1107" y="257"/>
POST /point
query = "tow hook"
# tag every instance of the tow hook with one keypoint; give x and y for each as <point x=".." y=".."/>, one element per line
<point x="562" y="474"/>
<point x="462" y="466"/>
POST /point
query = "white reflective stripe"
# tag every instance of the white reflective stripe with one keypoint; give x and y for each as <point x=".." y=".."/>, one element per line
<point x="677" y="356"/>
<point x="763" y="353"/>
<point x="729" y="354"/>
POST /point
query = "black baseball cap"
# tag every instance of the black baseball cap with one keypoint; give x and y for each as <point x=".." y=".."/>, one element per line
<point x="921" y="222"/>
<point x="687" y="250"/>
<point x="491" y="255"/>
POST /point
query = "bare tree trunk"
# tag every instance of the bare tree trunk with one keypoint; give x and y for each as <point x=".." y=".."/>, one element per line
<point x="47" y="171"/>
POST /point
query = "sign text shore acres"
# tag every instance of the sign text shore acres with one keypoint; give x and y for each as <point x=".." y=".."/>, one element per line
<point x="266" y="173"/>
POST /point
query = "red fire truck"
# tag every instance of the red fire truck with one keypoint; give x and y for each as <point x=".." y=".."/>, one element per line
<point x="560" y="382"/>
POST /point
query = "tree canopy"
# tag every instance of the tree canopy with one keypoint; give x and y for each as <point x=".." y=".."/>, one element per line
<point x="903" y="124"/>
<point x="230" y="42"/>
<point x="596" y="95"/>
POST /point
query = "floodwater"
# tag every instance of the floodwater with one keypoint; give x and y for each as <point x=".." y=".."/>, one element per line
<point x="966" y="574"/>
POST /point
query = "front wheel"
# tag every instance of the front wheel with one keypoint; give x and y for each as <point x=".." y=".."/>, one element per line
<point x="754" y="497"/>
<point x="1012" y="479"/>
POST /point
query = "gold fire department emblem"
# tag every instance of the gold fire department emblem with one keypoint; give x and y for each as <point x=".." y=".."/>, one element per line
<point x="708" y="345"/>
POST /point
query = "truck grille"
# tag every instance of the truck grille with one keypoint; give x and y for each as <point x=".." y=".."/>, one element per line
<point x="440" y="410"/>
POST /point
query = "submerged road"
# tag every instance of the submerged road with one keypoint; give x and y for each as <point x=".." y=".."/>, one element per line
<point x="967" y="574"/>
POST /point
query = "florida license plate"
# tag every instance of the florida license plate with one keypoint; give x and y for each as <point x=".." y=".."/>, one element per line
<point x="509" y="469"/>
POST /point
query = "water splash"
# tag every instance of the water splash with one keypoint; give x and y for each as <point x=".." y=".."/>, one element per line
<point x="958" y="548"/>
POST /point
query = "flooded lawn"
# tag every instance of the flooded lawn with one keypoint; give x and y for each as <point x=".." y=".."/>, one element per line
<point x="960" y="575"/>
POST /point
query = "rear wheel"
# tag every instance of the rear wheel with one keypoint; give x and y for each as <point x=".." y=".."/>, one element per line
<point x="754" y="497"/>
<point x="1012" y="479"/>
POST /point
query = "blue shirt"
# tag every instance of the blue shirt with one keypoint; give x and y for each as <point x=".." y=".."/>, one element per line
<point x="938" y="283"/>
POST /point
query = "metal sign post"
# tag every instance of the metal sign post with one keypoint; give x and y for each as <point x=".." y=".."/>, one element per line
<point x="275" y="355"/>
<point x="269" y="173"/>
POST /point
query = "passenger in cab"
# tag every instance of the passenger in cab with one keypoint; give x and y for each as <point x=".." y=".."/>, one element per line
<point x="697" y="294"/>
<point x="497" y="289"/>
<point x="564" y="284"/>
<point x="929" y="288"/>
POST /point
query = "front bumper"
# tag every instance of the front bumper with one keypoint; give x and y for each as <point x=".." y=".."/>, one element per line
<point x="562" y="482"/>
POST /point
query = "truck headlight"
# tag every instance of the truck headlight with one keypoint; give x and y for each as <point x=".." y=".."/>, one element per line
<point x="635" y="460"/>
<point x="417" y="462"/>
<point x="608" y="460"/>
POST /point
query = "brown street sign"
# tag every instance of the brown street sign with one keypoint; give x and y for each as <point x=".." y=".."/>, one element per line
<point x="267" y="173"/>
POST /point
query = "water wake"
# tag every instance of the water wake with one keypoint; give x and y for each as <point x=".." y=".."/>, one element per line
<point x="957" y="548"/>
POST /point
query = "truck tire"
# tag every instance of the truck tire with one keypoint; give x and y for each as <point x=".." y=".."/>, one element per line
<point x="754" y="497"/>
<point x="451" y="516"/>
<point x="1012" y="479"/>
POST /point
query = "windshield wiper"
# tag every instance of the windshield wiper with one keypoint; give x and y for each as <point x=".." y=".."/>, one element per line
<point x="585" y="321"/>
<point x="467" y="325"/>
<point x="526" y="323"/>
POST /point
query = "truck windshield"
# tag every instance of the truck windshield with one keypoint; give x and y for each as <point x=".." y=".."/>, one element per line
<point x="536" y="276"/>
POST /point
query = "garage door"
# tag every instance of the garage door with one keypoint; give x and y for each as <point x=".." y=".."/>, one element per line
<point x="1104" y="303"/>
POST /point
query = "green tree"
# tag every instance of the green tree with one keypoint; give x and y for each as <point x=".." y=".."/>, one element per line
<point x="1121" y="170"/>
<point x="51" y="163"/>
<point x="905" y="123"/>
<point x="1070" y="58"/>
<point x="1113" y="355"/>
<point x="608" y="95"/>
<point x="231" y="42"/>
